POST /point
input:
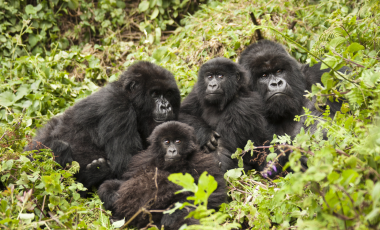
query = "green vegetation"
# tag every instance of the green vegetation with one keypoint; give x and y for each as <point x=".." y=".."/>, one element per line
<point x="56" y="52"/>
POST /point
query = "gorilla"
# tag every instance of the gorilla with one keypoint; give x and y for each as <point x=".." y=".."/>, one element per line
<point x="282" y="81"/>
<point x="103" y="131"/>
<point x="225" y="113"/>
<point x="145" y="184"/>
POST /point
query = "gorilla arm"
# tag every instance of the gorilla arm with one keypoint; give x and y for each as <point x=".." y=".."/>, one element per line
<point x="243" y="121"/>
<point x="190" y="114"/>
<point x="118" y="133"/>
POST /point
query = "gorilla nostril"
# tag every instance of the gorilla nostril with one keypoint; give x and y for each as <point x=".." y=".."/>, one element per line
<point x="280" y="83"/>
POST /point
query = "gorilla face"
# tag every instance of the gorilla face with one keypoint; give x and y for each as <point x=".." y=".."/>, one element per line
<point x="214" y="90"/>
<point x="173" y="142"/>
<point x="277" y="77"/>
<point x="163" y="110"/>
<point x="219" y="80"/>
<point x="153" y="91"/>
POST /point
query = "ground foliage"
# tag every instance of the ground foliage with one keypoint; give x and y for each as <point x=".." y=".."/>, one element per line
<point x="54" y="53"/>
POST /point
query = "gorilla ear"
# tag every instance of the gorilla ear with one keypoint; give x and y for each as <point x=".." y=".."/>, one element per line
<point x="129" y="85"/>
<point x="237" y="76"/>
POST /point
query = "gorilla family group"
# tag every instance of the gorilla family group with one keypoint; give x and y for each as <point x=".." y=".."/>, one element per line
<point x="133" y="133"/>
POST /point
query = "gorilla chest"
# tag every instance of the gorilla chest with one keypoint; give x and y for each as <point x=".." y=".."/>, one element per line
<point x="212" y="117"/>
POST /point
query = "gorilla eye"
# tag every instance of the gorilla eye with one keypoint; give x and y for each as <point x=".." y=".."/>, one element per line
<point x="154" y="94"/>
<point x="178" y="141"/>
<point x="166" y="142"/>
<point x="279" y="71"/>
<point x="264" y="75"/>
<point x="220" y="76"/>
<point x="209" y="76"/>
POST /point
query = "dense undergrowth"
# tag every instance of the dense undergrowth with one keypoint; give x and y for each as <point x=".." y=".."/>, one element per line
<point x="54" y="53"/>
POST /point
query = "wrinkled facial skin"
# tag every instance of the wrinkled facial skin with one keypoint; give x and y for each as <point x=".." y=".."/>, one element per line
<point x="163" y="110"/>
<point x="281" y="85"/>
<point x="275" y="83"/>
<point x="172" y="148"/>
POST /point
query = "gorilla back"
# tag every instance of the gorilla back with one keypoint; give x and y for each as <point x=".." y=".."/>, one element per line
<point x="103" y="131"/>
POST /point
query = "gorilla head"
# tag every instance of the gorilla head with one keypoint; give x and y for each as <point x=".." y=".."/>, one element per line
<point x="276" y="76"/>
<point x="173" y="142"/>
<point x="161" y="101"/>
<point x="219" y="80"/>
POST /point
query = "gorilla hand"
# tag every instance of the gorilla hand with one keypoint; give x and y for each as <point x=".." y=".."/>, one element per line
<point x="212" y="143"/>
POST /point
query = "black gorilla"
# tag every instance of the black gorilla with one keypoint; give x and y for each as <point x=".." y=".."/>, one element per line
<point x="173" y="149"/>
<point x="222" y="102"/>
<point x="282" y="81"/>
<point x="103" y="131"/>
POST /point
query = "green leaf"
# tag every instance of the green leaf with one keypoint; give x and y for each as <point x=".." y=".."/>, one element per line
<point x="154" y="13"/>
<point x="206" y="186"/>
<point x="29" y="9"/>
<point x="233" y="173"/>
<point x="143" y="6"/>
<point x="73" y="4"/>
<point x="186" y="181"/>
<point x="160" y="53"/>
<point x="355" y="47"/>
<point x="337" y="41"/>
<point x="7" y="98"/>
<point x="119" y="223"/>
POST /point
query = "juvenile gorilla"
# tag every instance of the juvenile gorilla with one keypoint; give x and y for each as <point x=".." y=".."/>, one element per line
<point x="103" y="131"/>
<point x="173" y="149"/>
<point x="221" y="102"/>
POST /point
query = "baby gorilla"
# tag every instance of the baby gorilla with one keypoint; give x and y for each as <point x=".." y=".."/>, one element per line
<point x="145" y="186"/>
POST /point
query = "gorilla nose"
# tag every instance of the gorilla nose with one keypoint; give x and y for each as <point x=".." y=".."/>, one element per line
<point x="277" y="85"/>
<point x="165" y="106"/>
<point x="212" y="85"/>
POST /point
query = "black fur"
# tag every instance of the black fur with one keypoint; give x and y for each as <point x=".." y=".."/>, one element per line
<point x="273" y="70"/>
<point x="267" y="57"/>
<point x="111" y="124"/>
<point x="145" y="183"/>
<point x="236" y="114"/>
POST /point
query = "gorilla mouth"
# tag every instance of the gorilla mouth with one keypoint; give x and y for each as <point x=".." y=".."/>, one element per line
<point x="160" y="120"/>
<point x="276" y="94"/>
<point x="170" y="159"/>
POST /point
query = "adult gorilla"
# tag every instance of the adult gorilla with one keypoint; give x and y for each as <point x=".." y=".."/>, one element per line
<point x="282" y="81"/>
<point x="110" y="126"/>
<point x="221" y="103"/>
